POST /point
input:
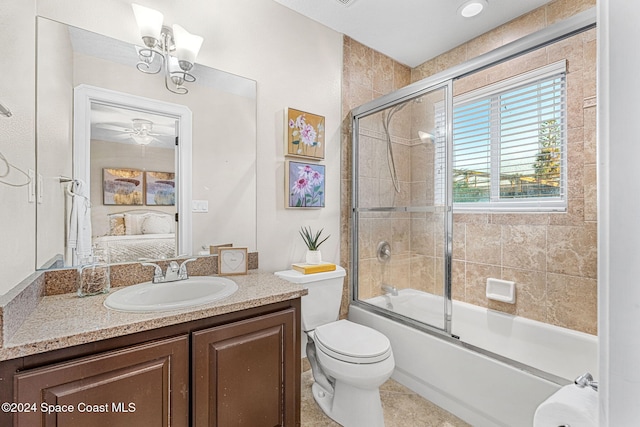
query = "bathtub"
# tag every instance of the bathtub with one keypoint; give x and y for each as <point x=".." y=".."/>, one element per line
<point x="499" y="370"/>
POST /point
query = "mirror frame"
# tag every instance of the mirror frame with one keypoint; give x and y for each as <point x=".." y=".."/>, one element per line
<point x="85" y="95"/>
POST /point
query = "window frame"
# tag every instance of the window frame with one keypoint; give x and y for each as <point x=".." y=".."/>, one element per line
<point x="495" y="90"/>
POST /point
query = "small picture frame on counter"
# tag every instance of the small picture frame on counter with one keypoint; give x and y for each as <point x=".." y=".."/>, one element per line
<point x="232" y="261"/>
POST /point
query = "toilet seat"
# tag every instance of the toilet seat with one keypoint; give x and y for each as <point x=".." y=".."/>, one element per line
<point x="352" y="343"/>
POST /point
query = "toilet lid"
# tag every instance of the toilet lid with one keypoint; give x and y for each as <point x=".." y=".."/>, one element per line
<point x="351" y="342"/>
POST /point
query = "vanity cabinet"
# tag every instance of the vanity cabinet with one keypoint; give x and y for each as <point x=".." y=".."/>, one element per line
<point x="244" y="373"/>
<point x="240" y="368"/>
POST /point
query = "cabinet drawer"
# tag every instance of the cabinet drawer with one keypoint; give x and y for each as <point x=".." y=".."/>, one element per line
<point x="144" y="385"/>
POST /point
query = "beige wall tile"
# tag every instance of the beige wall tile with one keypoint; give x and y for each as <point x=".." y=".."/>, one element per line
<point x="590" y="148"/>
<point x="519" y="65"/>
<point x="523" y="25"/>
<point x="399" y="271"/>
<point x="423" y="273"/>
<point x="365" y="277"/>
<point x="575" y="100"/>
<point x="519" y="219"/>
<point x="572" y="250"/>
<point x="458" y="280"/>
<point x="485" y="43"/>
<point x="459" y="247"/>
<point x="575" y="171"/>
<point x="524" y="247"/>
<point x="574" y="215"/>
<point x="360" y="64"/>
<point x="471" y="82"/>
<point x="357" y="95"/>
<point x="382" y="73"/>
<point x="422" y="237"/>
<point x="476" y="282"/>
<point x="453" y="57"/>
<point x="401" y="75"/>
<point x="571" y="50"/>
<point x="590" y="193"/>
<point x="573" y="302"/>
<point x="590" y="69"/>
<point x="531" y="292"/>
<point x="483" y="243"/>
<point x="467" y="218"/>
<point x="423" y="70"/>
<point x="562" y="9"/>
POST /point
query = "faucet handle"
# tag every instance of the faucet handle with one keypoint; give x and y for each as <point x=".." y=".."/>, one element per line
<point x="157" y="271"/>
<point x="183" y="268"/>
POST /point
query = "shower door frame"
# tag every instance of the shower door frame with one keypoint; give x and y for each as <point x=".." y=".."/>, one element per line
<point x="551" y="34"/>
<point x="447" y="86"/>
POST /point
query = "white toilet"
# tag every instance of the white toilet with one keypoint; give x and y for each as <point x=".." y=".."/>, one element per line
<point x="349" y="361"/>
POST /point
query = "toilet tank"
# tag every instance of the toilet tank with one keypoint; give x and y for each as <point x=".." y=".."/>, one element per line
<point x="322" y="304"/>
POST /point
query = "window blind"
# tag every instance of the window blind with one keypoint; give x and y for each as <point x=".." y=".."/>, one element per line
<point x="509" y="143"/>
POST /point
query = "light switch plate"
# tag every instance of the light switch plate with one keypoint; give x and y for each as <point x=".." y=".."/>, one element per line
<point x="201" y="206"/>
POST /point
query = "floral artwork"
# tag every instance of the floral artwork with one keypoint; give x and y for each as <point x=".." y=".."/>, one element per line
<point x="122" y="186"/>
<point x="305" y="185"/>
<point x="305" y="135"/>
<point x="161" y="188"/>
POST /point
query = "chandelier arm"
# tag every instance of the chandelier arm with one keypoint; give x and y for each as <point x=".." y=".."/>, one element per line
<point x="146" y="56"/>
<point x="179" y="89"/>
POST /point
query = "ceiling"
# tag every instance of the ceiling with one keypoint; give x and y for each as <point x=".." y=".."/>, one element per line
<point x="410" y="31"/>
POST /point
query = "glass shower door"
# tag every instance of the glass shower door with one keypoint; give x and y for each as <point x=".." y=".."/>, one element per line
<point x="401" y="235"/>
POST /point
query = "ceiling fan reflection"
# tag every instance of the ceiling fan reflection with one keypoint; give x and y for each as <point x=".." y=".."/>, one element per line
<point x="140" y="131"/>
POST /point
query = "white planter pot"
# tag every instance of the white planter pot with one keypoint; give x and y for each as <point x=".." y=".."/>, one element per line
<point x="313" y="257"/>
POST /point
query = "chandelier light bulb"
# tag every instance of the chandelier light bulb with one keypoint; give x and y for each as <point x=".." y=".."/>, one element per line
<point x="149" y="22"/>
<point x="187" y="46"/>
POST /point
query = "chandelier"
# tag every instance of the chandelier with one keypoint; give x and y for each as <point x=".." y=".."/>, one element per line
<point x="175" y="46"/>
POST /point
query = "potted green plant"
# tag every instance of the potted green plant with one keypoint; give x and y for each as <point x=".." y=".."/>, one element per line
<point x="313" y="242"/>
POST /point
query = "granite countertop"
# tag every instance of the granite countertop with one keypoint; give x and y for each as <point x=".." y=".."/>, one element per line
<point x="60" y="321"/>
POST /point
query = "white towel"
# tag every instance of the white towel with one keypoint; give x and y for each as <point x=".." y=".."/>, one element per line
<point x="80" y="221"/>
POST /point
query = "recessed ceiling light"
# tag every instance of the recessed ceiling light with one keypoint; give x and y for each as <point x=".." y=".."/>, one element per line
<point x="472" y="8"/>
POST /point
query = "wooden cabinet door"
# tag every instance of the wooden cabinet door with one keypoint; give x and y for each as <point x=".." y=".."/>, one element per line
<point x="245" y="373"/>
<point x="144" y="385"/>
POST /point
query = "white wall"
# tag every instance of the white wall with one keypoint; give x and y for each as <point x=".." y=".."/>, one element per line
<point x="17" y="140"/>
<point x="619" y="212"/>
<point x="54" y="142"/>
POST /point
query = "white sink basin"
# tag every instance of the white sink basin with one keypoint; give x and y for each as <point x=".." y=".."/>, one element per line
<point x="194" y="291"/>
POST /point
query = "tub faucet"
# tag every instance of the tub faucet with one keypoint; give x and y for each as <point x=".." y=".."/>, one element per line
<point x="388" y="289"/>
<point x="174" y="271"/>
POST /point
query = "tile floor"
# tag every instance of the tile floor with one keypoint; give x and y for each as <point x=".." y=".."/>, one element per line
<point x="402" y="408"/>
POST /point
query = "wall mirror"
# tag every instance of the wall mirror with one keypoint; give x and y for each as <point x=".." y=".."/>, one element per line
<point x="119" y="138"/>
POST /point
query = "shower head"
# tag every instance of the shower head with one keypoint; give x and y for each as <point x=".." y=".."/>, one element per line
<point x="426" y="138"/>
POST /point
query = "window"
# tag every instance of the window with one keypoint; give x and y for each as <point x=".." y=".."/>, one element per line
<point x="509" y="144"/>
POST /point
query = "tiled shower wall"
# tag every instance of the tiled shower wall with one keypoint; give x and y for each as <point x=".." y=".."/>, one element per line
<point x="551" y="257"/>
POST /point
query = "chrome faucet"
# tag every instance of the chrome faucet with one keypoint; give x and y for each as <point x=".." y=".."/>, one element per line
<point x="388" y="289"/>
<point x="174" y="271"/>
